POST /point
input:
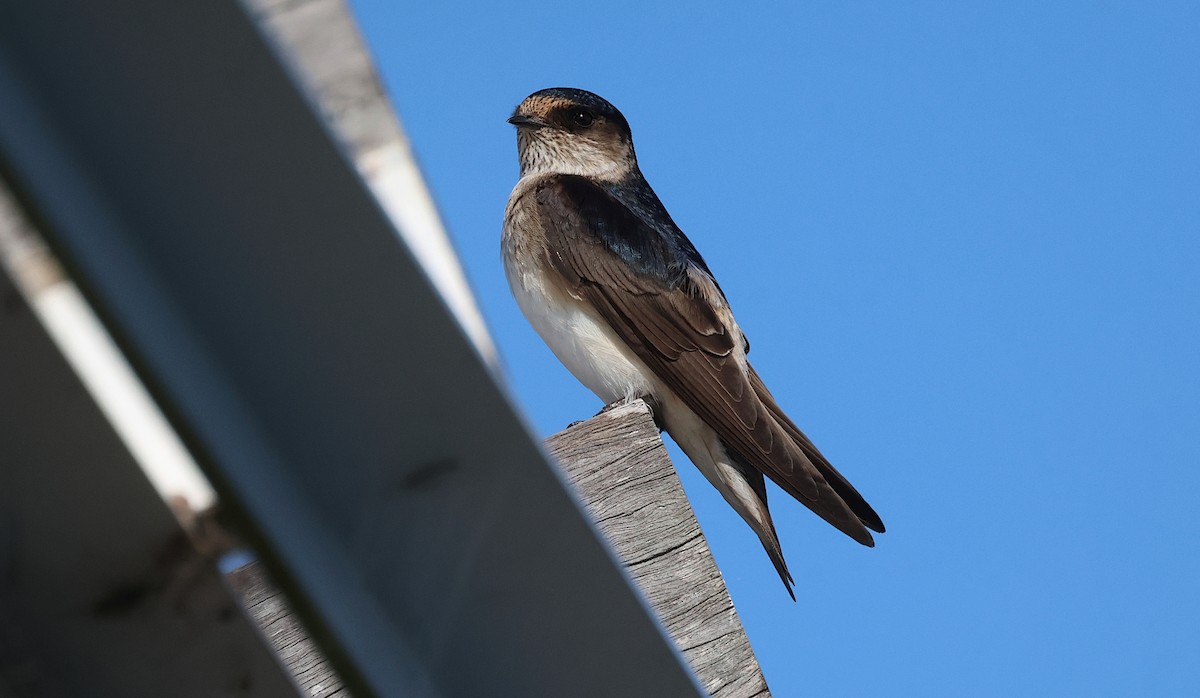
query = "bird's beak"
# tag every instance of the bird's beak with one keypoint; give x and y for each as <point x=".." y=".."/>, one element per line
<point x="522" y="121"/>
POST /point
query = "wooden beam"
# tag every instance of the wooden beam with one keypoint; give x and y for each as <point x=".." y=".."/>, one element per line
<point x="621" y="470"/>
<point x="290" y="640"/>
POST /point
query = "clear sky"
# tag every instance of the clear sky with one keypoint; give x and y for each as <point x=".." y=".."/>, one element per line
<point x="964" y="240"/>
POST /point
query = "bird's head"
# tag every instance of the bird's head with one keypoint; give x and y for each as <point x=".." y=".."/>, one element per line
<point x="567" y="131"/>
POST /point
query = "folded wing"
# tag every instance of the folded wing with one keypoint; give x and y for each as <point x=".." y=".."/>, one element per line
<point x="643" y="281"/>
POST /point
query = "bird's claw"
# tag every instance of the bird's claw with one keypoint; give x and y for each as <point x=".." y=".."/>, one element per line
<point x="611" y="406"/>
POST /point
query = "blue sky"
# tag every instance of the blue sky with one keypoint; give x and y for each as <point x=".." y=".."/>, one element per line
<point x="964" y="240"/>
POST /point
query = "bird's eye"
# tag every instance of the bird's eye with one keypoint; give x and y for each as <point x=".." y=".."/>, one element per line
<point x="582" y="118"/>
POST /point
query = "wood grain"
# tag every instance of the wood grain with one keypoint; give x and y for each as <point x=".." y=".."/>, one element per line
<point x="619" y="466"/>
<point x="291" y="642"/>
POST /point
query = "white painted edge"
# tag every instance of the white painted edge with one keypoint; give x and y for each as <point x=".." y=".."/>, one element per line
<point x="111" y="382"/>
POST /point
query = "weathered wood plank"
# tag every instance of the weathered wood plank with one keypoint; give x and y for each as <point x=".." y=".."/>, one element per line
<point x="299" y="654"/>
<point x="621" y="469"/>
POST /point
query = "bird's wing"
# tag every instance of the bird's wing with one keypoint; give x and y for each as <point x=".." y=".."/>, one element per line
<point x="669" y="312"/>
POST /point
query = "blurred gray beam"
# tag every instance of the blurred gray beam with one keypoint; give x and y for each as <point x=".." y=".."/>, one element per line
<point x="620" y="468"/>
<point x="319" y="41"/>
<point x="304" y="356"/>
<point x="101" y="593"/>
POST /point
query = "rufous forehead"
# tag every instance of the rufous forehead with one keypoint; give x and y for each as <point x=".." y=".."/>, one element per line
<point x="539" y="105"/>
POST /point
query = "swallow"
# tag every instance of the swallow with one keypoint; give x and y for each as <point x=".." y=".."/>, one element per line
<point x="628" y="305"/>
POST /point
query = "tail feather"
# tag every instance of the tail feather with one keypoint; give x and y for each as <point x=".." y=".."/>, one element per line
<point x="776" y="554"/>
<point x="766" y="533"/>
<point x="840" y="485"/>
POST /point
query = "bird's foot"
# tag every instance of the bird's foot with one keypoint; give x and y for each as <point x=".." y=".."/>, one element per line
<point x="612" y="406"/>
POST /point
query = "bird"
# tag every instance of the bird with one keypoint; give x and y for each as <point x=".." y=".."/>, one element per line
<point x="625" y="301"/>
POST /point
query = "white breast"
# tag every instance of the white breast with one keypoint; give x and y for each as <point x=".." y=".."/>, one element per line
<point x="581" y="340"/>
